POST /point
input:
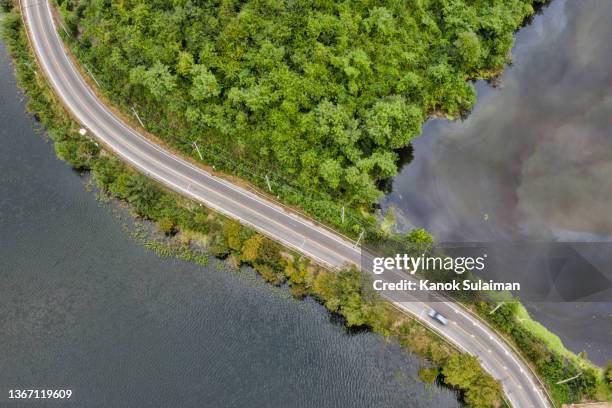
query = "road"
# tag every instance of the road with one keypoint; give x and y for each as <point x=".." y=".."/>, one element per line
<point x="318" y="243"/>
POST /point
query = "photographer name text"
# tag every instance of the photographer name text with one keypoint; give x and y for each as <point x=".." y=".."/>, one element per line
<point x="426" y="285"/>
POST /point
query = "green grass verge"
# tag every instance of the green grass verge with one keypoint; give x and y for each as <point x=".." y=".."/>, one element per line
<point x="551" y="360"/>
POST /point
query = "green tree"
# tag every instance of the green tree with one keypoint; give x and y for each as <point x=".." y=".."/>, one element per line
<point x="324" y="109"/>
<point x="144" y="195"/>
<point x="485" y="392"/>
<point x="341" y="293"/>
<point x="429" y="375"/>
<point x="204" y="84"/>
<point x="419" y="236"/>
<point x="185" y="63"/>
<point x="6" y="5"/>
<point x="331" y="171"/>
<point x="464" y="372"/>
<point x="157" y="80"/>
<point x="269" y="274"/>
<point x="461" y="370"/>
<point x="269" y="252"/>
<point x="392" y="122"/>
<point x="380" y="21"/>
<point x="588" y="382"/>
<point x="121" y="186"/>
<point x="468" y="48"/>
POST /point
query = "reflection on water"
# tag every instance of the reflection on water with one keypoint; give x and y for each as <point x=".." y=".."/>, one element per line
<point x="534" y="159"/>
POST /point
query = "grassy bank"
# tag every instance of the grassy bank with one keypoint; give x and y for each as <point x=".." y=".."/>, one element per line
<point x="552" y="362"/>
<point x="194" y="231"/>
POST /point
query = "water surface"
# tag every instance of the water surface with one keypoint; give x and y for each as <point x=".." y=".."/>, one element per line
<point x="533" y="161"/>
<point x="82" y="306"/>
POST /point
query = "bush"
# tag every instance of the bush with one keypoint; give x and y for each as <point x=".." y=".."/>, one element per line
<point x="234" y="234"/>
<point x="298" y="291"/>
<point x="464" y="371"/>
<point x="269" y="274"/>
<point x="166" y="225"/>
<point x="429" y="375"/>
<point x="251" y="248"/>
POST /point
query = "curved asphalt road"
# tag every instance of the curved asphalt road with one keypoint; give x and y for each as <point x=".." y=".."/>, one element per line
<point x="466" y="332"/>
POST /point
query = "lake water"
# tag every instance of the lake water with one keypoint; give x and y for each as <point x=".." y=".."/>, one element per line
<point x="82" y="306"/>
<point x="533" y="161"/>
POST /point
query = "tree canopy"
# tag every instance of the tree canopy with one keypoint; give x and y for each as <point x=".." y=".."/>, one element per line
<point x="464" y="371"/>
<point x="324" y="92"/>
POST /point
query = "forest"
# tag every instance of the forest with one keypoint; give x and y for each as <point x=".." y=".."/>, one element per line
<point x="310" y="100"/>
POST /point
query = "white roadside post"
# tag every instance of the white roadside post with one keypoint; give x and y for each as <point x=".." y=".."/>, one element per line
<point x="268" y="183"/>
<point x="92" y="76"/>
<point x="569" y="379"/>
<point x="197" y="150"/>
<point x="138" y="117"/>
<point x="66" y="31"/>
<point x="496" y="307"/>
<point x="360" y="236"/>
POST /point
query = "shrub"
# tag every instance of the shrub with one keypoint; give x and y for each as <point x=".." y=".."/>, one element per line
<point x="166" y="225"/>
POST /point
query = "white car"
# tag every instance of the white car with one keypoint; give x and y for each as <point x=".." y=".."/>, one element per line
<point x="438" y="317"/>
